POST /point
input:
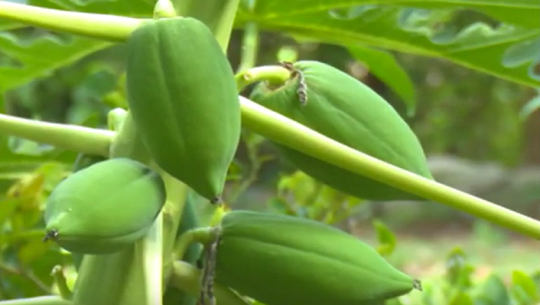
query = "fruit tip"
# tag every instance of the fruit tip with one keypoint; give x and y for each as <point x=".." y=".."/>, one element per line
<point x="417" y="284"/>
<point x="50" y="235"/>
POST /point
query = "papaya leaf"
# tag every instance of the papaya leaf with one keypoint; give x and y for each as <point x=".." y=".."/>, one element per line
<point x="507" y="51"/>
<point x="41" y="55"/>
<point x="31" y="58"/>
<point x="520" y="12"/>
<point x="383" y="65"/>
<point x="531" y="106"/>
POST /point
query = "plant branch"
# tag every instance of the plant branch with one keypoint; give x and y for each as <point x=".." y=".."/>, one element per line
<point x="274" y="75"/>
<point x="105" y="27"/>
<point x="68" y="137"/>
<point x="37" y="282"/>
<point x="45" y="300"/>
<point x="199" y="235"/>
<point x="287" y="132"/>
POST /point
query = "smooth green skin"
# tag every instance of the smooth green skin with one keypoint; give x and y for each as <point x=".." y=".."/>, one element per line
<point x="286" y="260"/>
<point x="344" y="109"/>
<point x="184" y="101"/>
<point x="174" y="296"/>
<point x="83" y="161"/>
<point x="105" y="207"/>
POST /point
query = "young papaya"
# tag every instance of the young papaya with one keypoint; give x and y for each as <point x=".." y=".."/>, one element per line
<point x="83" y="161"/>
<point x="104" y="207"/>
<point x="340" y="107"/>
<point x="184" y="101"/>
<point x="287" y="260"/>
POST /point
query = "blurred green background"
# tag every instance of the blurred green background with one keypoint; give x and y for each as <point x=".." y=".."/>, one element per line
<point x="469" y="123"/>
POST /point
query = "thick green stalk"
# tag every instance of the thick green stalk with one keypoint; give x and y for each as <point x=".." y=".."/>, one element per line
<point x="105" y="27"/>
<point x="285" y="131"/>
<point x="69" y="137"/>
<point x="250" y="47"/>
<point x="218" y="15"/>
<point x="46" y="300"/>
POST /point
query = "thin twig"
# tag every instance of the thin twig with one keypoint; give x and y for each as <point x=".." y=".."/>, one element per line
<point x="27" y="275"/>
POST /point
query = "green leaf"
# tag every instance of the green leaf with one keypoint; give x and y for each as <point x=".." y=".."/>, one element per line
<point x="493" y="292"/>
<point x="384" y="65"/>
<point x="33" y="58"/>
<point x="461" y="299"/>
<point x="458" y="270"/>
<point x="387" y="239"/>
<point x="524" y="287"/>
<point x="507" y="51"/>
<point x="520" y="12"/>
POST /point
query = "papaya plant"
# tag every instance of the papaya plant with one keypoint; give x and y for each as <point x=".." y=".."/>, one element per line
<point x="128" y="220"/>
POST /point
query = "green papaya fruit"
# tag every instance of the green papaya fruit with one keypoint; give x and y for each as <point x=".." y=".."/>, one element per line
<point x="184" y="101"/>
<point x="287" y="260"/>
<point x="104" y="207"/>
<point x="340" y="107"/>
<point x="83" y="161"/>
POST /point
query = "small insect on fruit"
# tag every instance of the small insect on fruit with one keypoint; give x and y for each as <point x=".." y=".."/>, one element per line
<point x="344" y="109"/>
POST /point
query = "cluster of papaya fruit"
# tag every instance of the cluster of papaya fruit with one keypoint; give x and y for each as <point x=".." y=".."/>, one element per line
<point x="184" y="102"/>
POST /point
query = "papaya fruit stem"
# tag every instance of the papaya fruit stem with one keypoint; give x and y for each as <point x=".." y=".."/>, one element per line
<point x="69" y="137"/>
<point x="218" y="15"/>
<point x="292" y="134"/>
<point x="105" y="27"/>
<point x="115" y="118"/>
<point x="61" y="282"/>
<point x="164" y="9"/>
<point x="273" y="75"/>
<point x="203" y="236"/>
<point x="250" y="47"/>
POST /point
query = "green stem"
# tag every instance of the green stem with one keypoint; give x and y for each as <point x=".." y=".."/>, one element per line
<point x="69" y="137"/>
<point x="152" y="254"/>
<point x="250" y="47"/>
<point x="198" y="235"/>
<point x="106" y="27"/>
<point x="218" y="15"/>
<point x="287" y="132"/>
<point x="172" y="214"/>
<point x="45" y="300"/>
<point x="274" y="75"/>
<point x="61" y="282"/>
<point x="186" y="278"/>
<point x="164" y="9"/>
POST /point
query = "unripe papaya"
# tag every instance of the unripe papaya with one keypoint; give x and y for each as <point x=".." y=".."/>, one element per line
<point x="104" y="207"/>
<point x="83" y="161"/>
<point x="287" y="260"/>
<point x="340" y="107"/>
<point x="184" y="101"/>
